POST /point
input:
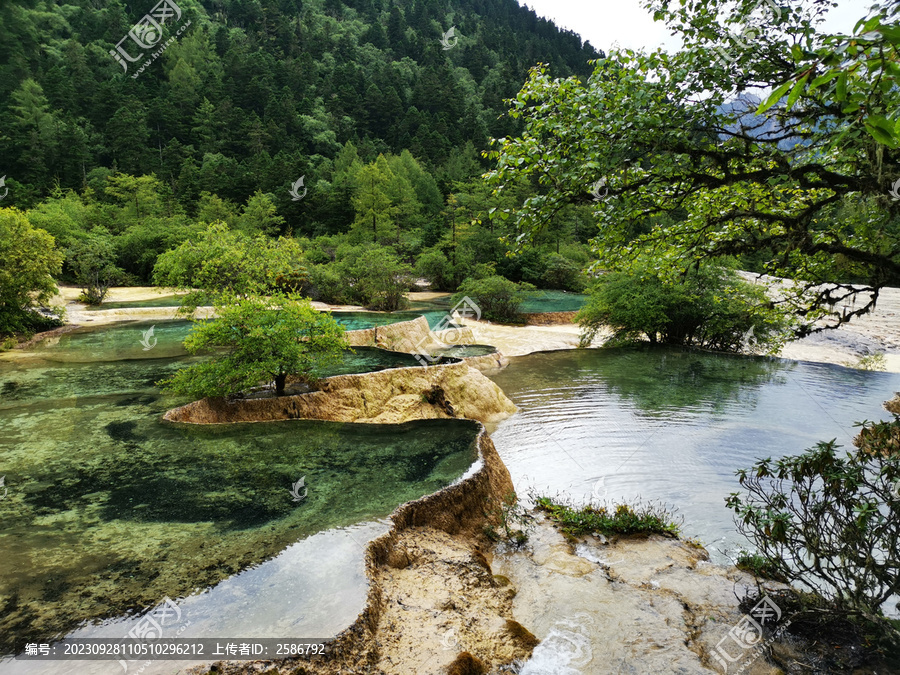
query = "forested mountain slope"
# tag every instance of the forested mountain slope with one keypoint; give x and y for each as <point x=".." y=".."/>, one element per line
<point x="252" y="94"/>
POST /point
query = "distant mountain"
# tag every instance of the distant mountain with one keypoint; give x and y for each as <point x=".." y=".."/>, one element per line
<point x="756" y="126"/>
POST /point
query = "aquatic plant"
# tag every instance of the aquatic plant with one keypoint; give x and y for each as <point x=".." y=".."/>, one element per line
<point x="873" y="361"/>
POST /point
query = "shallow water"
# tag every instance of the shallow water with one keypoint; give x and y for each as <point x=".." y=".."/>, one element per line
<point x="672" y="425"/>
<point x="107" y="509"/>
<point x="351" y="320"/>
<point x="131" y="341"/>
<point x="316" y="587"/>
<point x="162" y="301"/>
<point x="535" y="302"/>
<point x="463" y="351"/>
<point x="361" y="320"/>
<point x="552" y="301"/>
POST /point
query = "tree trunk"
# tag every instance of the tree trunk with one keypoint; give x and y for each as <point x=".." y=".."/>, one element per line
<point x="279" y="384"/>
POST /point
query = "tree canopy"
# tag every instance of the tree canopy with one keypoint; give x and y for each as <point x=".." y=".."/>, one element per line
<point x="222" y="262"/>
<point x="696" y="169"/>
<point x="251" y="96"/>
<point x="29" y="260"/>
<point x="255" y="340"/>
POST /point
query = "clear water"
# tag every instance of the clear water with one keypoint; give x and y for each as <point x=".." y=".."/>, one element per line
<point x="672" y="425"/>
<point x="535" y="301"/>
<point x="162" y="301"/>
<point x="351" y="320"/>
<point x="361" y="320"/>
<point x="552" y="301"/>
<point x="462" y="351"/>
<point x="316" y="587"/>
<point x="130" y="341"/>
<point x="106" y="509"/>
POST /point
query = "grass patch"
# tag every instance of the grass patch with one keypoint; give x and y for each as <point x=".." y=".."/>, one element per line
<point x="637" y="518"/>
<point x="508" y="521"/>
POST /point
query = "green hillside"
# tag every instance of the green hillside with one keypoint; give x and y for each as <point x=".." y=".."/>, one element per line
<point x="254" y="94"/>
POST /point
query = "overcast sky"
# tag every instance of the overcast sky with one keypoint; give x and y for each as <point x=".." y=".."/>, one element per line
<point x="604" y="22"/>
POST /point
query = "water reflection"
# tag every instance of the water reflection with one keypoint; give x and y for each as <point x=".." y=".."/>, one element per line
<point x="672" y="425"/>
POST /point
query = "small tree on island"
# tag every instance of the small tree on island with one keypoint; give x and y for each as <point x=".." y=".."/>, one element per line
<point x="256" y="340"/>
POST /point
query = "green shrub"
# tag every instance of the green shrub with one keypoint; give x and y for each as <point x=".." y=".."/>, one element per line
<point x="874" y="361"/>
<point x="527" y="266"/>
<point x="435" y="267"/>
<point x="712" y="308"/>
<point x="759" y="566"/>
<point x="830" y="521"/>
<point x="376" y="278"/>
<point x="219" y="262"/>
<point x="326" y="284"/>
<point x="563" y="274"/>
<point x="93" y="261"/>
<point x="498" y="298"/>
<point x="28" y="261"/>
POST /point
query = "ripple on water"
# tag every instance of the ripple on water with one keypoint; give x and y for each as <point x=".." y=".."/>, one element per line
<point x="672" y="425"/>
<point x="566" y="649"/>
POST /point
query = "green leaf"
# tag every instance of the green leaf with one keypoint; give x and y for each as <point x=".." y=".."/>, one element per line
<point x="796" y="91"/>
<point x="881" y="130"/>
<point x="841" y="88"/>
<point x="823" y="79"/>
<point x="774" y="97"/>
